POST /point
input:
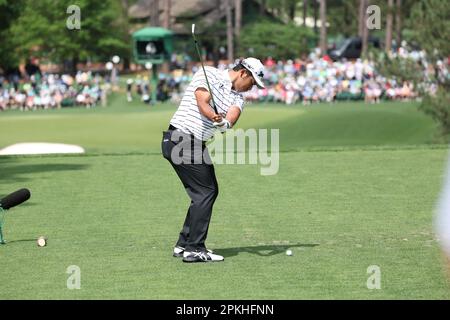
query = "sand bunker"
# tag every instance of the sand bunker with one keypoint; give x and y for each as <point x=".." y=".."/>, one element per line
<point x="40" y="148"/>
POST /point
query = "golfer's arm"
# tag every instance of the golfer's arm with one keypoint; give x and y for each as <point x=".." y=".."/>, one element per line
<point x="202" y="95"/>
<point x="233" y="114"/>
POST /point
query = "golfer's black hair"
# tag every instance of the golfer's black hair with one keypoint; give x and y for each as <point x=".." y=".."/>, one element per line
<point x="239" y="67"/>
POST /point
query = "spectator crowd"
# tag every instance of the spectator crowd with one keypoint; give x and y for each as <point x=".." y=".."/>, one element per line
<point x="319" y="79"/>
<point x="49" y="91"/>
<point x="313" y="79"/>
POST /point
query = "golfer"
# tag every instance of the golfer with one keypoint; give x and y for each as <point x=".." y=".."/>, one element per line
<point x="183" y="145"/>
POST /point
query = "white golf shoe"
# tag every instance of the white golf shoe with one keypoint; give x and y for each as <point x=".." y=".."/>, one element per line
<point x="201" y="256"/>
<point x="178" y="251"/>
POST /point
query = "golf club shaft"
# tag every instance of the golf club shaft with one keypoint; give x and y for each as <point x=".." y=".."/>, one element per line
<point x="2" y="217"/>
<point x="203" y="67"/>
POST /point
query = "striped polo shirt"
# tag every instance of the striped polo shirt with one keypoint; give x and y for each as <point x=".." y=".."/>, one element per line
<point x="188" y="117"/>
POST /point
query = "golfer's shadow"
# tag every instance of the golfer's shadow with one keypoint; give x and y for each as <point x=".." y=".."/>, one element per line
<point x="264" y="251"/>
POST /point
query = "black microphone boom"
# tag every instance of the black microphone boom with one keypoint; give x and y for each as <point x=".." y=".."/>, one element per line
<point x="15" y="198"/>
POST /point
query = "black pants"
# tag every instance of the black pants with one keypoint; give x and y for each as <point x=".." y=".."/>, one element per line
<point x="199" y="180"/>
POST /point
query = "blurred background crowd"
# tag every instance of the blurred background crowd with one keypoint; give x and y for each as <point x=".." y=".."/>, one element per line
<point x="46" y="91"/>
<point x="312" y="79"/>
<point x="314" y="50"/>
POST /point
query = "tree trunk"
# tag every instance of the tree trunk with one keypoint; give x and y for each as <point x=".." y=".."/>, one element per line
<point x="125" y="6"/>
<point x="323" y="27"/>
<point x="165" y="67"/>
<point x="315" y="16"/>
<point x="348" y="21"/>
<point x="398" y="23"/>
<point x="292" y="7"/>
<point x="237" y="21"/>
<point x="149" y="5"/>
<point x="126" y="58"/>
<point x="74" y="68"/>
<point x="389" y="20"/>
<point x="305" y="8"/>
<point x="154" y="12"/>
<point x="167" y="10"/>
<point x="126" y="63"/>
<point x="365" y="31"/>
<point x="238" y="17"/>
<point x="230" y="50"/>
<point x="262" y="7"/>
<point x="361" y="16"/>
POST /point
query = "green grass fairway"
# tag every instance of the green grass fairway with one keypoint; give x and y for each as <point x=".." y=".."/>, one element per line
<point x="356" y="187"/>
<point x="134" y="128"/>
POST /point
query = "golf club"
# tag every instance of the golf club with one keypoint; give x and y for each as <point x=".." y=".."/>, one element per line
<point x="203" y="67"/>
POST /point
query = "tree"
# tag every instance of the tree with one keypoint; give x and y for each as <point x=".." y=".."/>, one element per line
<point x="230" y="40"/>
<point x="315" y="15"/>
<point x="279" y="41"/>
<point x="361" y="17"/>
<point x="305" y="10"/>
<point x="154" y="12"/>
<point x="342" y="18"/>
<point x="365" y="30"/>
<point x="262" y="7"/>
<point x="433" y="20"/>
<point x="167" y="10"/>
<point x="41" y="31"/>
<point x="284" y="10"/>
<point x="291" y="6"/>
<point x="9" y="12"/>
<point x="433" y="17"/>
<point x="126" y="36"/>
<point x="398" y="22"/>
<point x="430" y="20"/>
<point x="389" y="20"/>
<point x="323" y="28"/>
<point x="238" y="17"/>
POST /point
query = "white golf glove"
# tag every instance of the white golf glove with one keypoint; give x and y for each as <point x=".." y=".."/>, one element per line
<point x="222" y="125"/>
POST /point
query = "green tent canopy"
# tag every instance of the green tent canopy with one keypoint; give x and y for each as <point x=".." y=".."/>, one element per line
<point x="152" y="45"/>
<point x="156" y="33"/>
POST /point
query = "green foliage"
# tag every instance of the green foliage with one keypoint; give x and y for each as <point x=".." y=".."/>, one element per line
<point x="342" y="15"/>
<point x="400" y="69"/>
<point x="435" y="105"/>
<point x="431" y="19"/>
<point x="41" y="30"/>
<point x="438" y="107"/>
<point x="277" y="40"/>
<point x="9" y="11"/>
<point x="429" y="28"/>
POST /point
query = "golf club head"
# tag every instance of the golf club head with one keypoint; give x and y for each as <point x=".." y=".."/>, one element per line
<point x="193" y="28"/>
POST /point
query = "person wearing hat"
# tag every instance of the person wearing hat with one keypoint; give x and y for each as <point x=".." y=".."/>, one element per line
<point x="194" y="123"/>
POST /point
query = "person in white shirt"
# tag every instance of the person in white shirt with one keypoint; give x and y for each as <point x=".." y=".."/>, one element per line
<point x="191" y="126"/>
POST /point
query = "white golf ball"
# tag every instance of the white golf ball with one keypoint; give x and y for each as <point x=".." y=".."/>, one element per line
<point x="289" y="252"/>
<point x="41" y="242"/>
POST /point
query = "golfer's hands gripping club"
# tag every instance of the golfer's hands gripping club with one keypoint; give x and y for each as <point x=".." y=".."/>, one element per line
<point x="220" y="122"/>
